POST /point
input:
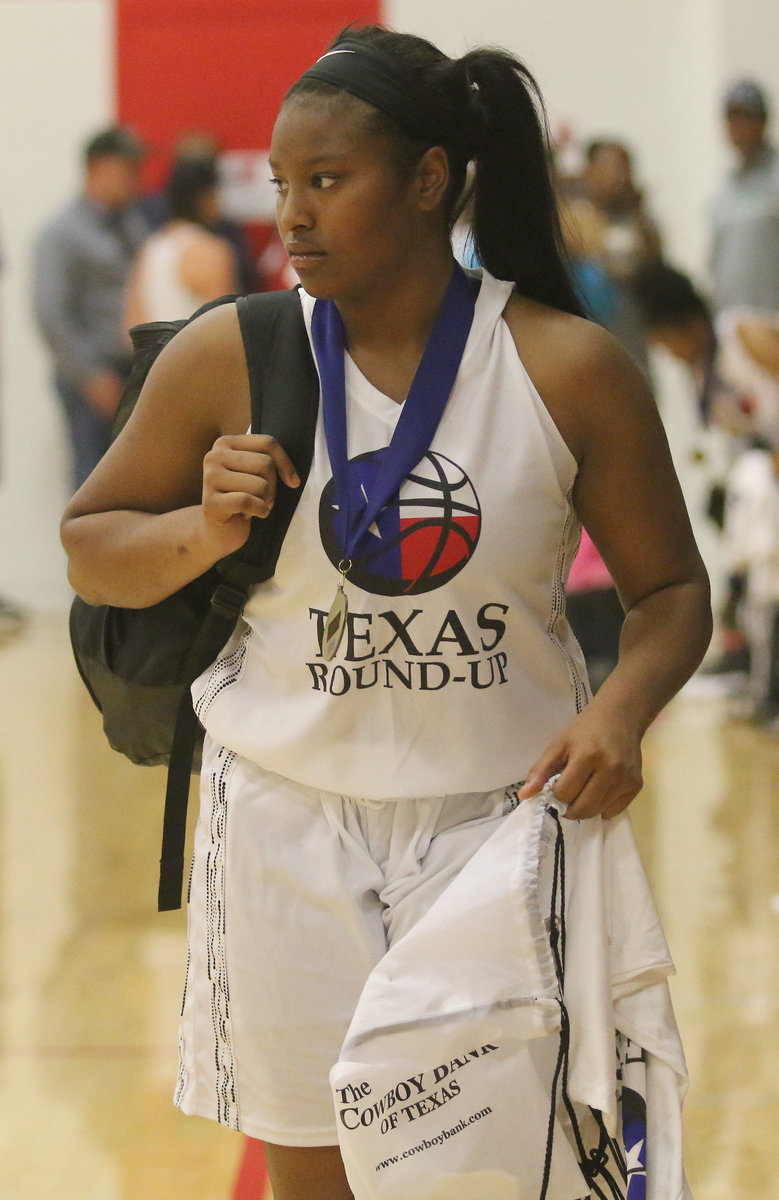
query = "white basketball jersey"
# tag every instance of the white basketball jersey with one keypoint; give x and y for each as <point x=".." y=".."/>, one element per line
<point x="457" y="666"/>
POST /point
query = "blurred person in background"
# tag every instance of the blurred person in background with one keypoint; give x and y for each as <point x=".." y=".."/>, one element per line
<point x="609" y="233"/>
<point x="12" y="618"/>
<point x="733" y="356"/>
<point x="199" y="146"/>
<point x="733" y="359"/>
<point x="82" y="262"/>
<point x="594" y="612"/>
<point x="752" y="533"/>
<point x="184" y="264"/>
<point x="744" y="260"/>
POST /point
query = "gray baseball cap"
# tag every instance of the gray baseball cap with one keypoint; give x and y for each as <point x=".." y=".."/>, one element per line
<point x="745" y="96"/>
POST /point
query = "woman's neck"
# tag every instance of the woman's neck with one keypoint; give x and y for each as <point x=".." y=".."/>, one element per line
<point x="386" y="336"/>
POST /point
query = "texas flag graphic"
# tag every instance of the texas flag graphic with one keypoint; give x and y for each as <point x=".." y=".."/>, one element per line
<point x="420" y="540"/>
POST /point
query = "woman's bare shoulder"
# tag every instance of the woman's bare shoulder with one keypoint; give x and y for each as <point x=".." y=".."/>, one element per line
<point x="207" y="264"/>
<point x="759" y="335"/>
<point x="580" y="371"/>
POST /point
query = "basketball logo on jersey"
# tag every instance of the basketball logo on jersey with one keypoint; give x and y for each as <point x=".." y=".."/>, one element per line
<point x="422" y="538"/>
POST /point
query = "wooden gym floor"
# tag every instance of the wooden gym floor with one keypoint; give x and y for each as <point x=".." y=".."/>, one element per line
<point x="92" y="975"/>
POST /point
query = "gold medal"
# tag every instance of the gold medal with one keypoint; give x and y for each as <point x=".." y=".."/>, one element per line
<point x="335" y="623"/>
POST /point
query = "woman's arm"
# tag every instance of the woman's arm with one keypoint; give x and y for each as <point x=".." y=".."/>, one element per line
<point x="761" y="341"/>
<point x="207" y="267"/>
<point x="628" y="497"/>
<point x="175" y="492"/>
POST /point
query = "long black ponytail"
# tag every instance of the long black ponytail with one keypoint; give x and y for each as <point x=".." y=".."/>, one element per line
<point x="516" y="225"/>
<point x="499" y="127"/>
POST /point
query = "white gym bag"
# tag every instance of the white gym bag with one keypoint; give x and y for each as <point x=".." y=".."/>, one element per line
<point x="484" y="1060"/>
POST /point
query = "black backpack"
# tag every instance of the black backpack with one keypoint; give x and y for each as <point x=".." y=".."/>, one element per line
<point x="138" y="664"/>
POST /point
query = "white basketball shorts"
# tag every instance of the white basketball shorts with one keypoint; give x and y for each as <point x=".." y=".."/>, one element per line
<point x="295" y="895"/>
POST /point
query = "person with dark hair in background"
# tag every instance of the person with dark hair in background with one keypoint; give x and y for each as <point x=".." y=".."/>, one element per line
<point x="81" y="265"/>
<point x="609" y="233"/>
<point x="733" y="359"/>
<point x="744" y="259"/>
<point x="184" y="265"/>
<point x="199" y="146"/>
<point x="468" y="421"/>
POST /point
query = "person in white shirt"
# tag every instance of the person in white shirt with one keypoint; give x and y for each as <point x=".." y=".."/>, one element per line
<point x="410" y="659"/>
<point x="733" y="359"/>
<point x="184" y="264"/>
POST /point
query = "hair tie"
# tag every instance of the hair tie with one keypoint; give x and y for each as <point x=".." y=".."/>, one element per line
<point x="477" y="116"/>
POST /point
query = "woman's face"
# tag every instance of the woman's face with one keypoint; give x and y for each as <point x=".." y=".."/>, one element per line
<point x="209" y="208"/>
<point x="348" y="218"/>
<point x="746" y="133"/>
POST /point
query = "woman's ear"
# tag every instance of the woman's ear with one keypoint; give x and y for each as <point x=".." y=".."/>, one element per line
<point x="432" y="178"/>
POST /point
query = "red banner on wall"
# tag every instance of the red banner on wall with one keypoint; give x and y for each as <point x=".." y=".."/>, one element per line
<point x="222" y="68"/>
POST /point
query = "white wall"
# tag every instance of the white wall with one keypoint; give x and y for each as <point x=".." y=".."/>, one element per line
<point x="56" y="88"/>
<point x="649" y="71"/>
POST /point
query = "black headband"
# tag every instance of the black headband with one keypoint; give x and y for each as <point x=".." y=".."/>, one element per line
<point x="371" y="75"/>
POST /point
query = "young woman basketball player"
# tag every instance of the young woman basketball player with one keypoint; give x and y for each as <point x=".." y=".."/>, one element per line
<point x="410" y="659"/>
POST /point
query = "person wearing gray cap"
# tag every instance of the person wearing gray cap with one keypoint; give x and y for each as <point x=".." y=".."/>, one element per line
<point x="81" y="264"/>
<point x="744" y="259"/>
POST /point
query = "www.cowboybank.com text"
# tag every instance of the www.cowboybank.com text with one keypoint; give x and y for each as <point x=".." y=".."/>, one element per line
<point x="442" y="1137"/>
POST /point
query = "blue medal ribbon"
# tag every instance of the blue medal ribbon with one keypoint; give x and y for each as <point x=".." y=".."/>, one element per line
<point x="419" y="417"/>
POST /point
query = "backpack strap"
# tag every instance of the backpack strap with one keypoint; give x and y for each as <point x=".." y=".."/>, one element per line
<point x="213" y="634"/>
<point x="284" y="387"/>
<point x="276" y="343"/>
